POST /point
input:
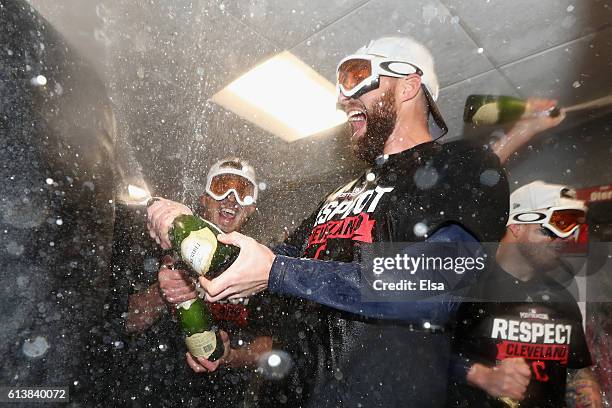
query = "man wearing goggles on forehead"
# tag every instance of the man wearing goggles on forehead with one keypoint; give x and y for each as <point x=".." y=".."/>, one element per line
<point x="232" y="177"/>
<point x="373" y="117"/>
<point x="228" y="200"/>
<point x="559" y="221"/>
<point x="231" y="193"/>
<point x="525" y="337"/>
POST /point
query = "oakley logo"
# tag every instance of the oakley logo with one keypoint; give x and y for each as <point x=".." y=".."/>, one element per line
<point x="529" y="217"/>
<point x="401" y="68"/>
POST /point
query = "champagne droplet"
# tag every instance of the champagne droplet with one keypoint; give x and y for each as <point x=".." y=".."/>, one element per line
<point x="39" y="80"/>
<point x="274" y="360"/>
<point x="36" y="347"/>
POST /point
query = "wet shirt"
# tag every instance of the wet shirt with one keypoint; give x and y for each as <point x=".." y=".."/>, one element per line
<point x="351" y="360"/>
<point x="408" y="195"/>
<point x="537" y="320"/>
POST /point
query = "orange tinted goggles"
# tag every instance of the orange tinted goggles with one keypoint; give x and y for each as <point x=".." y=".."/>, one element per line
<point x="358" y="74"/>
<point x="567" y="220"/>
<point x="563" y="222"/>
<point x="353" y="72"/>
<point x="224" y="184"/>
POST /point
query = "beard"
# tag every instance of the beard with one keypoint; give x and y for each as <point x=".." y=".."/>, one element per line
<point x="543" y="257"/>
<point x="380" y="124"/>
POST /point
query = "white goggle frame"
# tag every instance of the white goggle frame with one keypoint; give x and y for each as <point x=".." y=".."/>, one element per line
<point x="543" y="217"/>
<point x="244" y="202"/>
<point x="379" y="66"/>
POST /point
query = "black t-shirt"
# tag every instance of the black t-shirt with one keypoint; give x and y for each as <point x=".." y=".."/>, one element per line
<point x="537" y="320"/>
<point x="349" y="360"/>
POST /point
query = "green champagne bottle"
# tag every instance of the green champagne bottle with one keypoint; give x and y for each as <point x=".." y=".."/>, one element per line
<point x="497" y="109"/>
<point x="195" y="239"/>
<point x="196" y="323"/>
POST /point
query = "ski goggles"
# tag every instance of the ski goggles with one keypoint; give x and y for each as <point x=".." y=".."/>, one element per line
<point x="358" y="74"/>
<point x="222" y="185"/>
<point x="561" y="221"/>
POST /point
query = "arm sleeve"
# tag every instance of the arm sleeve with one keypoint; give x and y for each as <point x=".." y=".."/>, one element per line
<point x="338" y="284"/>
<point x="286" y="249"/>
<point x="462" y="357"/>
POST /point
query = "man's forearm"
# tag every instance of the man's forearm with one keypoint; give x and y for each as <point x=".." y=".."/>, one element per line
<point x="511" y="142"/>
<point x="144" y="308"/>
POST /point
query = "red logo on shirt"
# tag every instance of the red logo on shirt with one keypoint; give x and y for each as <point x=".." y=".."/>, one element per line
<point x="530" y="351"/>
<point x="357" y="228"/>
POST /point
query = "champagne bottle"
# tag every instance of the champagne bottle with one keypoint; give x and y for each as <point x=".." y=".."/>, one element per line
<point x="195" y="239"/>
<point x="494" y="109"/>
<point x="196" y="323"/>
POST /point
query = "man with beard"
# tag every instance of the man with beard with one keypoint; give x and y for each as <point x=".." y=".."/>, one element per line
<point x="372" y="354"/>
<point x="525" y="337"/>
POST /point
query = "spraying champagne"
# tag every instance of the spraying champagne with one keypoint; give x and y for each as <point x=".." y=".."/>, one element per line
<point x="493" y="109"/>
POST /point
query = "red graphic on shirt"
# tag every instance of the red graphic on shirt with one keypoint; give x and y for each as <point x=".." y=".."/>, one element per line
<point x="237" y="314"/>
<point x="357" y="228"/>
<point x="538" y="368"/>
<point x="539" y="352"/>
<point x="530" y="351"/>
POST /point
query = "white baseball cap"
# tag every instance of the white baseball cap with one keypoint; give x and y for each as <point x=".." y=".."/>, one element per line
<point x="539" y="195"/>
<point x="406" y="49"/>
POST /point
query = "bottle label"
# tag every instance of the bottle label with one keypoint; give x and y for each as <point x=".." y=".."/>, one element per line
<point x="487" y="114"/>
<point x="186" y="304"/>
<point x="198" y="249"/>
<point x="202" y="344"/>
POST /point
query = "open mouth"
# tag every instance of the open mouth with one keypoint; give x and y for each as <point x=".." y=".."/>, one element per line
<point x="227" y="214"/>
<point x="357" y="119"/>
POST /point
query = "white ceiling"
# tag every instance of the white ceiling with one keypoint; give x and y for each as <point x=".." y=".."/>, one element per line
<point x="163" y="59"/>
